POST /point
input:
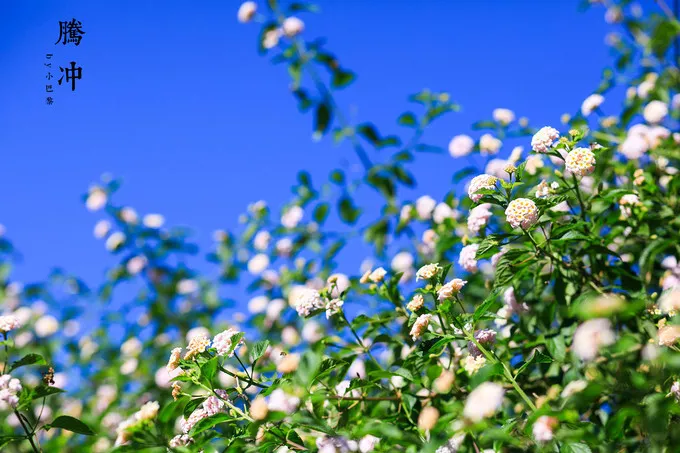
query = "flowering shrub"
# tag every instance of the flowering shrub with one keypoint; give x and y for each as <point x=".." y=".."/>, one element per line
<point x="533" y="310"/>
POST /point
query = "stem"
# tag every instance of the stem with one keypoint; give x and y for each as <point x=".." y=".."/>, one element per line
<point x="234" y="375"/>
<point x="506" y="371"/>
<point x="359" y="340"/>
<point x="29" y="434"/>
<point x="441" y="321"/>
<point x="580" y="200"/>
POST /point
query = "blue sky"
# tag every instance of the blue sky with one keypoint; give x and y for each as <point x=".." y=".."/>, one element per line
<point x="176" y="101"/>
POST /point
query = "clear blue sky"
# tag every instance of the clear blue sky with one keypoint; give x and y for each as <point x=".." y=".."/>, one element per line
<point x="175" y="99"/>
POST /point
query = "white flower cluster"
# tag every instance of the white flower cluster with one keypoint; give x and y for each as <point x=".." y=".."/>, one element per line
<point x="544" y="139"/>
<point x="420" y="326"/>
<point x="9" y="387"/>
<point x="478" y="218"/>
<point x="590" y="336"/>
<point x="223" y="344"/>
<point x="580" y="161"/>
<point x="450" y="289"/>
<point x="428" y="271"/>
<point x="211" y="406"/>
<point x="461" y="145"/>
<point x="483" y="181"/>
<point x="9" y="323"/>
<point x="308" y="301"/>
<point x="467" y="258"/>
<point x="148" y="411"/>
<point x="627" y="203"/>
<point x="483" y="401"/>
<point x="521" y="212"/>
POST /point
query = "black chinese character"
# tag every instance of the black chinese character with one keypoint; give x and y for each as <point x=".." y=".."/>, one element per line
<point x="48" y="56"/>
<point x="70" y="32"/>
<point x="49" y="76"/>
<point x="49" y="65"/>
<point x="72" y="74"/>
<point x="49" y="100"/>
<point x="48" y="88"/>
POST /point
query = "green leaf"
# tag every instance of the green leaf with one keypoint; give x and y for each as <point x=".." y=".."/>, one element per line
<point x="257" y="350"/>
<point x="209" y="368"/>
<point x="322" y="119"/>
<point x="536" y="357"/>
<point x="28" y="359"/>
<point x="342" y="78"/>
<point x="348" y="212"/>
<point x="210" y="422"/>
<point x="484" y="306"/>
<point x="407" y="119"/>
<point x="70" y="424"/>
<point x="577" y="448"/>
<point x="557" y="348"/>
<point x="321" y="212"/>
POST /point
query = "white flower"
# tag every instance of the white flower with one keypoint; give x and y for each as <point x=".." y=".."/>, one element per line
<point x="478" y="218"/>
<point x="136" y="264"/>
<point x="503" y="116"/>
<point x="258" y="304"/>
<point x="271" y="38"/>
<point x="591" y="103"/>
<point x="129" y="215"/>
<point x="292" y="216"/>
<point x="669" y="302"/>
<point x="46" y="326"/>
<point x="424" y="207"/>
<point x="450" y="289"/>
<point x="488" y="144"/>
<point x="634" y="146"/>
<point x="655" y="112"/>
<point x="153" y="220"/>
<point x="246" y="12"/>
<point x="292" y="26"/>
<point x="132" y="347"/>
<point x="573" y="388"/>
<point x="533" y="163"/>
<point x="521" y="212"/>
<point x="542" y="190"/>
<point x="258" y="263"/>
<point x="9" y="323"/>
<point x="461" y="145"/>
<point x="496" y="167"/>
<point x="279" y="400"/>
<point x="580" y="161"/>
<point x="442" y="212"/>
<point x="261" y="240"/>
<point x="377" y="275"/>
<point x="114" y="241"/>
<point x="368" y="443"/>
<point x="96" y="199"/>
<point x="308" y="301"/>
<point x="187" y="286"/>
<point x="420" y="326"/>
<point x="591" y="336"/>
<point x="9" y="388"/>
<point x="543" y="428"/>
<point x="428" y="271"/>
<point x="675" y="390"/>
<point x="416" y="303"/>
<point x="544" y="139"/>
<point x="102" y="228"/>
<point x="223" y="342"/>
<point x="480" y="182"/>
<point x="626" y="204"/>
<point x="467" y="258"/>
<point x="333" y="306"/>
<point x="284" y="246"/>
<point x="402" y="262"/>
<point x="483" y="401"/>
